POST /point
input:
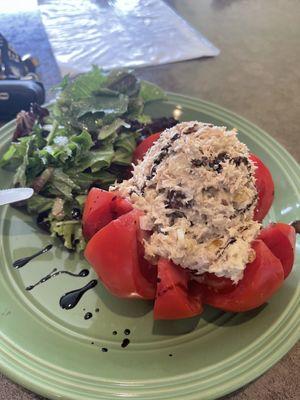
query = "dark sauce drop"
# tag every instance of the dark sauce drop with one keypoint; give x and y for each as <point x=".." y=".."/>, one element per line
<point x="97" y="309"/>
<point x="170" y="355"/>
<point x="76" y="214"/>
<point x="115" y="333"/>
<point x="88" y="315"/>
<point x="127" y="332"/>
<point x="54" y="273"/>
<point x="71" y="299"/>
<point x="23" y="261"/>
<point x="296" y="226"/>
<point x="125" y="343"/>
<point x="104" y="349"/>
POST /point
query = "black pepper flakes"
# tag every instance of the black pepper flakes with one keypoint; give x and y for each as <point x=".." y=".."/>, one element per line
<point x="175" y="137"/>
<point x="202" y="162"/>
<point x="190" y="129"/>
<point x="174" y="215"/>
<point x="175" y="199"/>
<point x="240" y="160"/>
<point x="214" y="164"/>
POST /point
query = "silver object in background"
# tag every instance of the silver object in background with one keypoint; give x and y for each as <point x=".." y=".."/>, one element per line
<point x="13" y="195"/>
<point x="119" y="33"/>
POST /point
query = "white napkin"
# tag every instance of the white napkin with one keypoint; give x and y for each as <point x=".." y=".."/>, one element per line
<point x="119" y="33"/>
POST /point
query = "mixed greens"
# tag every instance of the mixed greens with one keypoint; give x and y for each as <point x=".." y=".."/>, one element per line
<point x="85" y="139"/>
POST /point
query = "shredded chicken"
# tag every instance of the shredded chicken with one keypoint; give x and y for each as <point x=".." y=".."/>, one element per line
<point x="196" y="187"/>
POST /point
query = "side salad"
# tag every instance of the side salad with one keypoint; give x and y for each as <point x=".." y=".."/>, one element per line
<point x="86" y="138"/>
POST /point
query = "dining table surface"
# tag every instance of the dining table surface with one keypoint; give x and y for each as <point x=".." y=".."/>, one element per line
<point x="256" y="75"/>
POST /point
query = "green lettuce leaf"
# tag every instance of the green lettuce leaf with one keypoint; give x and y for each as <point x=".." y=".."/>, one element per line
<point x="20" y="178"/>
<point x="113" y="105"/>
<point x="123" y="82"/>
<point x="71" y="233"/>
<point x="102" y="178"/>
<point x="150" y="92"/>
<point x="112" y="129"/>
<point x="84" y="85"/>
<point x="124" y="148"/>
<point x="83" y="141"/>
<point x="64" y="149"/>
<point x="95" y="160"/>
<point x="37" y="204"/>
<point x="15" y="154"/>
<point x="61" y="184"/>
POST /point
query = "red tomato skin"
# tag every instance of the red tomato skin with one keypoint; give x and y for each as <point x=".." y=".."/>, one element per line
<point x="113" y="253"/>
<point x="96" y="212"/>
<point x="265" y="188"/>
<point x="281" y="240"/>
<point x="120" y="206"/>
<point x="143" y="147"/>
<point x="172" y="298"/>
<point x="218" y="284"/>
<point x="262" y="278"/>
<point x="100" y="208"/>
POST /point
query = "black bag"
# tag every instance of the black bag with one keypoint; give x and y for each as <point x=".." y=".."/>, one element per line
<point x="16" y="95"/>
<point x="19" y="84"/>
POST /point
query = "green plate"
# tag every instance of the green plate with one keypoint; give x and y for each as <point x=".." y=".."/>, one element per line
<point x="57" y="353"/>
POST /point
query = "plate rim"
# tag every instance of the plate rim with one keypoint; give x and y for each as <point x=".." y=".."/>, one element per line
<point x="227" y="387"/>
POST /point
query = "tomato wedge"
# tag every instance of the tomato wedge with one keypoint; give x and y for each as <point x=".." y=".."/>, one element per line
<point x="120" y="206"/>
<point x="281" y="240"/>
<point x="143" y="147"/>
<point x="261" y="279"/>
<point x="113" y="253"/>
<point x="218" y="284"/>
<point x="172" y="298"/>
<point x="100" y="208"/>
<point x="265" y="188"/>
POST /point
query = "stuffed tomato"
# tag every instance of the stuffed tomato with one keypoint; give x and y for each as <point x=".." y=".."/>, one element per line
<point x="185" y="230"/>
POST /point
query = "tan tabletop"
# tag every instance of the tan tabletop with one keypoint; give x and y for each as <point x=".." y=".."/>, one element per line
<point x="257" y="75"/>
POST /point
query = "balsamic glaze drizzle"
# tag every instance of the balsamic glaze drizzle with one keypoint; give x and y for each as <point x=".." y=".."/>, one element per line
<point x="23" y="261"/>
<point x="125" y="343"/>
<point x="88" y="315"/>
<point x="70" y="300"/>
<point x="54" y="273"/>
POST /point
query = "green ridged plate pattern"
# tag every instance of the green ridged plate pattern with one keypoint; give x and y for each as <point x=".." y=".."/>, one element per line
<point x="50" y="350"/>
